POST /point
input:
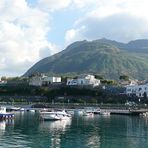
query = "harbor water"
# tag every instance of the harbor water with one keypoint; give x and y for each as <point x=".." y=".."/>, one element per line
<point x="114" y="131"/>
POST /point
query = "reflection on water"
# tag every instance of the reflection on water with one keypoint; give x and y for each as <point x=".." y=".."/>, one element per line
<point x="96" y="131"/>
<point x="4" y="123"/>
<point x="93" y="141"/>
<point x="59" y="125"/>
<point x="12" y="135"/>
<point x="55" y="130"/>
<point x="2" y="126"/>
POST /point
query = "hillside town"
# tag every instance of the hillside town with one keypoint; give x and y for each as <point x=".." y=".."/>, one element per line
<point x="130" y="88"/>
<point x="82" y="80"/>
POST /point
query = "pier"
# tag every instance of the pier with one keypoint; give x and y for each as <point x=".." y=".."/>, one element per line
<point x="119" y="109"/>
<point x="125" y="112"/>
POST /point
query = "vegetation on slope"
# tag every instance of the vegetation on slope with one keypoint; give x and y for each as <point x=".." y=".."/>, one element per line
<point x="108" y="58"/>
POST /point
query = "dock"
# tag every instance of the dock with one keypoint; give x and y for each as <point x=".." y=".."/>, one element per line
<point x="125" y="112"/>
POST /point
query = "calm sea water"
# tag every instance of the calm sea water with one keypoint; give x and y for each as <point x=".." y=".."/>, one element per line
<point x="116" y="131"/>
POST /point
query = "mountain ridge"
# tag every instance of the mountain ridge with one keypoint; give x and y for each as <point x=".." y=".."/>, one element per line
<point x="105" y="57"/>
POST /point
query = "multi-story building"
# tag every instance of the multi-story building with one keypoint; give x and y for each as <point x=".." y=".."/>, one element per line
<point x="84" y="80"/>
<point x="137" y="90"/>
<point x="43" y="80"/>
<point x="142" y="91"/>
<point x="131" y="90"/>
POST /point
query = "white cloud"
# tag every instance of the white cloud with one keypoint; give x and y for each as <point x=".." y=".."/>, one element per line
<point x="23" y="33"/>
<point x="48" y="50"/>
<point x="84" y="3"/>
<point x="73" y="35"/>
<point x="122" y="20"/>
<point x="52" y="5"/>
<point x="24" y="30"/>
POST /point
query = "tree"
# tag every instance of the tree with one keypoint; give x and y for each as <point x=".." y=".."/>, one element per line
<point x="108" y="82"/>
<point x="99" y="77"/>
<point x="124" y="77"/>
<point x="3" y="78"/>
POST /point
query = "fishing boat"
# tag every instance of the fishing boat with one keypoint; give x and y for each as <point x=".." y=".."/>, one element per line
<point x="4" y="115"/>
<point x="54" y="115"/>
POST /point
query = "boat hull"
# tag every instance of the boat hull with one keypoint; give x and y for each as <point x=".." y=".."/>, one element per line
<point x="54" y="116"/>
<point x="6" y="116"/>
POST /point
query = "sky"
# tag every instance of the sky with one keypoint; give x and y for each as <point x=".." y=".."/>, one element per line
<point x="31" y="30"/>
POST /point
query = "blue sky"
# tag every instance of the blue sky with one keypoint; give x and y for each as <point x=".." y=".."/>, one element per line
<point x="61" y="24"/>
<point x="34" y="29"/>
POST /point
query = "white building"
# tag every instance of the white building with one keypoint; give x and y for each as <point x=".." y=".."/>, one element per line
<point x="84" y="80"/>
<point x="137" y="90"/>
<point x="36" y="81"/>
<point x="142" y="90"/>
<point x="128" y="82"/>
<point x="52" y="79"/>
<point x="42" y="80"/>
<point x="131" y="89"/>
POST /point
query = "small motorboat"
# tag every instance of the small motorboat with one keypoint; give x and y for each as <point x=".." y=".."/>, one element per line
<point x="54" y="115"/>
<point x="96" y="110"/>
<point x="32" y="110"/>
<point x="87" y="113"/>
<point x="4" y="115"/>
<point x="105" y="113"/>
<point x="144" y="114"/>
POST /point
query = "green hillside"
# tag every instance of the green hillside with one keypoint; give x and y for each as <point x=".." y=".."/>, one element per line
<point x="105" y="57"/>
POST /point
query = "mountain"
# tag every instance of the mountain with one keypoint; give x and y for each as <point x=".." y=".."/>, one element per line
<point x="104" y="57"/>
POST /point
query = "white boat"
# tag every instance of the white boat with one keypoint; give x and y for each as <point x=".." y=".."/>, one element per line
<point x="88" y="113"/>
<point x="54" y="115"/>
<point x="71" y="112"/>
<point x="145" y="114"/>
<point x="97" y="110"/>
<point x="13" y="108"/>
<point x="32" y="110"/>
<point x="4" y="114"/>
<point x="22" y="109"/>
<point x="105" y="113"/>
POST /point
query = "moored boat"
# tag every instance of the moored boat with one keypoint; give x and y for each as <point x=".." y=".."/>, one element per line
<point x="145" y="114"/>
<point x="32" y="110"/>
<point x="88" y="113"/>
<point x="4" y="115"/>
<point x="105" y="113"/>
<point x="96" y="110"/>
<point x="54" y="115"/>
